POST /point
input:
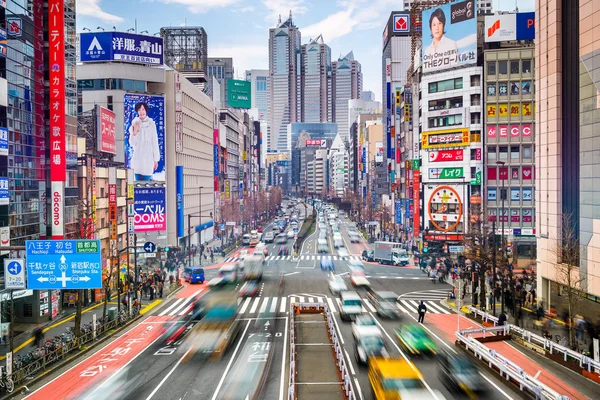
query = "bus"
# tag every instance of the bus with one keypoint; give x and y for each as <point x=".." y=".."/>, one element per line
<point x="254" y="238"/>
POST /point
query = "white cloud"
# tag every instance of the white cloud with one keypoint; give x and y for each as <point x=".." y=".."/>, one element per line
<point x="91" y="8"/>
<point x="202" y="6"/>
<point x="332" y="27"/>
<point x="275" y="8"/>
<point x="252" y="56"/>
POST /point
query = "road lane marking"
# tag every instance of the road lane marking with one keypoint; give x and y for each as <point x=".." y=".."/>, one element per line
<point x="331" y="306"/>
<point x="168" y="375"/>
<point x="401" y="309"/>
<point x="282" y="305"/>
<point x="291" y="273"/>
<point x="245" y="306"/>
<point x="181" y="307"/>
<point x="273" y="305"/>
<point x="150" y="306"/>
<point x="292" y="299"/>
<point x="263" y="306"/>
<point x="435" y="305"/>
<point x="301" y="299"/>
<point x="254" y="305"/>
<point x="369" y="306"/>
<point x="175" y="303"/>
<point x="319" y="299"/>
<point x="349" y="363"/>
<point x="311" y="300"/>
<point x="283" y="360"/>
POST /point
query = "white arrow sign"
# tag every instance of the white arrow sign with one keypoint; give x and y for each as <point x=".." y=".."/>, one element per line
<point x="64" y="279"/>
<point x="63" y="259"/>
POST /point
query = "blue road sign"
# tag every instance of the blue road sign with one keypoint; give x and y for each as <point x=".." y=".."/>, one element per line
<point x="14" y="273"/>
<point x="149" y="247"/>
<point x="63" y="264"/>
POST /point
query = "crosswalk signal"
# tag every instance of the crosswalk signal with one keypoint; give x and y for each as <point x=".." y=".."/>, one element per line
<point x="425" y="247"/>
<point x="166" y="249"/>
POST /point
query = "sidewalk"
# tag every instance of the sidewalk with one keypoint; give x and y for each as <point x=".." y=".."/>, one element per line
<point x="23" y="342"/>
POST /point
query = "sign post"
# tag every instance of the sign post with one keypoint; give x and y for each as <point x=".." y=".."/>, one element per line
<point x="14" y="273"/>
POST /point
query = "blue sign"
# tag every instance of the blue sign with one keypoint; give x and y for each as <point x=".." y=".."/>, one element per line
<point x="216" y="159"/>
<point x="388" y="118"/>
<point x="282" y="163"/>
<point x="179" y="200"/>
<point x="121" y="46"/>
<point x="14" y="273"/>
<point x="3" y="142"/>
<point x="149" y="247"/>
<point x="526" y="26"/>
<point x="204" y="226"/>
<point x="63" y="264"/>
<point x="4" y="191"/>
<point x="3" y="43"/>
<point x="398" y="212"/>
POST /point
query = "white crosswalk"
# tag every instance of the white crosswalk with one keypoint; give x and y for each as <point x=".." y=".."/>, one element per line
<point x="255" y="306"/>
<point x="303" y="257"/>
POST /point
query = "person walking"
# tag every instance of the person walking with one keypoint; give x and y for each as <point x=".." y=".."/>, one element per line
<point x="38" y="337"/>
<point x="501" y="319"/>
<point x="422" y="310"/>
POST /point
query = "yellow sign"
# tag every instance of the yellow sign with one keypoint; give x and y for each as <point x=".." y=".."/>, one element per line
<point x="227" y="189"/>
<point x="503" y="110"/>
<point x="526" y="109"/>
<point x="492" y="111"/>
<point x="446" y="138"/>
<point x="514" y="110"/>
<point x="244" y="157"/>
<point x="130" y="191"/>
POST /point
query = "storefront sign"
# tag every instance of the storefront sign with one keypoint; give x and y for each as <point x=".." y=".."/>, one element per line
<point x="107" y="140"/>
<point x="416" y="203"/>
<point x="446" y="138"/>
<point x="446" y="155"/>
<point x="57" y="210"/>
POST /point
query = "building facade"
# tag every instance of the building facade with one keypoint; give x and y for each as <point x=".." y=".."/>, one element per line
<point x="258" y="79"/>
<point x="186" y="50"/>
<point x="346" y="83"/>
<point x="315" y="82"/>
<point x="221" y="69"/>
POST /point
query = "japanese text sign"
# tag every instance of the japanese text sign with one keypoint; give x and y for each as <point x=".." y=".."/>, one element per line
<point x="120" y="46"/>
<point x="56" y="55"/>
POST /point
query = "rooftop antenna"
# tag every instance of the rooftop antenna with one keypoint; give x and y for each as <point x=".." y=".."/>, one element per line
<point x="279" y="20"/>
<point x="290" y="15"/>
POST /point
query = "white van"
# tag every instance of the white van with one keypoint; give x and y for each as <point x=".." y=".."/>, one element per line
<point x="351" y="305"/>
<point x="322" y="246"/>
<point x="337" y="240"/>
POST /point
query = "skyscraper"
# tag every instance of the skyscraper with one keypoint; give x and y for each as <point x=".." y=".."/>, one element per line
<point x="346" y="84"/>
<point x="315" y="82"/>
<point x="258" y="79"/>
<point x="221" y="68"/>
<point x="283" y="83"/>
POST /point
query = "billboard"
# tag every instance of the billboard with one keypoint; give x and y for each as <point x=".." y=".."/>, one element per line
<point x="149" y="206"/>
<point x="239" y="94"/>
<point x="444" y="208"/>
<point x="449" y="36"/>
<point x="3" y="43"/>
<point x="121" y="46"/>
<point x="446" y="155"/>
<point x="179" y="200"/>
<point x="499" y="28"/>
<point x="56" y="55"/>
<point x="107" y="140"/>
<point x="378" y="152"/>
<point x="144" y="136"/>
<point x="3" y="142"/>
<point x="446" y="138"/>
<point x="316" y="143"/>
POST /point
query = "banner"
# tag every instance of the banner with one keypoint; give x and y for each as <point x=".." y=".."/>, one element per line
<point x="144" y="136"/>
<point x="4" y="195"/>
<point x="416" y="203"/>
<point x="56" y="82"/>
<point x="149" y="205"/>
<point x="3" y="142"/>
<point x="446" y="138"/>
<point x="388" y="105"/>
<point x="107" y="140"/>
<point x="121" y="46"/>
<point x="449" y="36"/>
<point x="446" y="155"/>
<point x="378" y="152"/>
<point x="179" y="200"/>
<point x="520" y="26"/>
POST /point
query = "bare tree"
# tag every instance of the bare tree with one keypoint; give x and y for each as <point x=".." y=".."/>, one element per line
<point x="567" y="253"/>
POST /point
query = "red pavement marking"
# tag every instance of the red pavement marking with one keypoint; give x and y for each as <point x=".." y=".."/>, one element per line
<point x="101" y="365"/>
<point x="445" y="325"/>
<point x="189" y="290"/>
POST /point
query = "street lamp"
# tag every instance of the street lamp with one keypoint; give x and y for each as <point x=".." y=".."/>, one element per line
<point x="503" y="198"/>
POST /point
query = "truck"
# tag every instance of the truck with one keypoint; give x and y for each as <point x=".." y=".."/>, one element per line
<point x="253" y="267"/>
<point x="388" y="253"/>
<point x="218" y="328"/>
<point x="254" y="238"/>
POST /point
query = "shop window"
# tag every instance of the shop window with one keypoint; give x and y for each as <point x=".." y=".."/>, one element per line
<point x="514" y="152"/>
<point x="526" y="152"/>
<point x="503" y="150"/>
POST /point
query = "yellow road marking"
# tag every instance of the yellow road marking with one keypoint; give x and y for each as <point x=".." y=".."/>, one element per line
<point x="150" y="306"/>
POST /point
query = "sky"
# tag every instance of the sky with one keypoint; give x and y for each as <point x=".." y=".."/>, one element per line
<point x="240" y="28"/>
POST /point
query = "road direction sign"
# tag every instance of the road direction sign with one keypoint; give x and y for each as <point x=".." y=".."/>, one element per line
<point x="456" y="249"/>
<point x="149" y="247"/>
<point x="14" y="273"/>
<point x="63" y="264"/>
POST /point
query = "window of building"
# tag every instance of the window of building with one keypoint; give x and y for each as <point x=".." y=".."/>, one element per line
<point x="503" y="88"/>
<point x="491" y="68"/>
<point x="526" y="66"/>
<point x="491" y="153"/>
<point x="515" y="194"/>
<point x="448" y="120"/>
<point x="442" y="86"/>
<point x="515" y="88"/>
<point x="503" y="150"/>
<point x="492" y="194"/>
<point x="514" y="67"/>
<point x="526" y="152"/>
<point x="444" y="104"/>
<point x="491" y="89"/>
<point x="514" y="152"/>
<point x="502" y="67"/>
<point x="527" y="194"/>
<point x="476" y="99"/>
<point x="526" y="87"/>
<point x="475" y="80"/>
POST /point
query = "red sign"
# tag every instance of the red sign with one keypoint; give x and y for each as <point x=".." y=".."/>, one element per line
<point x="527" y="173"/>
<point x="107" y="140"/>
<point x="443" y="237"/>
<point x="503" y="130"/>
<point x="491" y="132"/>
<point x="401" y="24"/>
<point x="446" y="155"/>
<point x="503" y="172"/>
<point x="417" y="204"/>
<point x="56" y="55"/>
<point x="526" y="129"/>
<point x="315" y="142"/>
<point x="477" y="154"/>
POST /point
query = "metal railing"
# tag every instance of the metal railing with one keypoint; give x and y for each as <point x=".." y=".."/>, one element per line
<point x="507" y="369"/>
<point x="339" y="354"/>
<point x="584" y="361"/>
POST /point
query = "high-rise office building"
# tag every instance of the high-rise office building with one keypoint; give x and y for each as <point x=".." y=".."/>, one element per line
<point x="258" y="79"/>
<point x="315" y="81"/>
<point x="186" y="50"/>
<point x="346" y="83"/>
<point x="220" y="68"/>
<point x="283" y="84"/>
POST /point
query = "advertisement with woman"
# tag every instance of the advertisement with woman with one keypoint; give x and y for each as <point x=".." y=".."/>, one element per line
<point x="450" y="36"/>
<point x="144" y="132"/>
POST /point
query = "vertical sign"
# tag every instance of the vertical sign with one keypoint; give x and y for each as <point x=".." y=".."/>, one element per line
<point x="94" y="192"/>
<point x="227" y="189"/>
<point x="56" y="55"/>
<point x="416" y="204"/>
<point x="57" y="209"/>
<point x="130" y="211"/>
<point x="105" y="130"/>
<point x="216" y="147"/>
<point x="388" y="104"/>
<point x="179" y="199"/>
<point x="178" y="114"/>
<point x="112" y="208"/>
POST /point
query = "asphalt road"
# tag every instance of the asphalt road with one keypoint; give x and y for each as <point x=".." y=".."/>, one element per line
<point x="164" y="372"/>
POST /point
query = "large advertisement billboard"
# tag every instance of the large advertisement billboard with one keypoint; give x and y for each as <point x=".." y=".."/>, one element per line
<point x="149" y="206"/>
<point x="239" y="94"/>
<point x="378" y="152"/>
<point x="499" y="28"/>
<point x="144" y="136"/>
<point x="179" y="200"/>
<point x="107" y="140"/>
<point x="450" y="36"/>
<point x="121" y="46"/>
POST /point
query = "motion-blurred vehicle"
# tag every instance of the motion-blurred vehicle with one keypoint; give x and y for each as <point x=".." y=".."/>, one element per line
<point x="249" y="289"/>
<point x="336" y="284"/>
<point x="413" y="338"/>
<point x="384" y="303"/>
<point x="322" y="226"/>
<point x="283" y="251"/>
<point x="403" y="257"/>
<point x="460" y="374"/>
<point x="343" y="252"/>
<point x="246" y="240"/>
<point x="354" y="236"/>
<point x="254" y="238"/>
<point x="390" y="375"/>
<point x="359" y="279"/>
<point x="228" y="274"/>
<point x="259" y="229"/>
<point x="322" y="245"/>
<point x="388" y="252"/>
<point x="327" y="264"/>
<point x="368" y="255"/>
<point x="261" y="248"/>
<point x="290" y="234"/>
<point x="269" y="237"/>
<point x="281" y="238"/>
<point x="351" y="305"/>
<point x="253" y="266"/>
<point x="370" y="346"/>
<point x="365" y="325"/>
<point x="337" y="240"/>
<point x="193" y="274"/>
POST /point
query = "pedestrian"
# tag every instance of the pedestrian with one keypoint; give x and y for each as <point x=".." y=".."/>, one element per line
<point x="518" y="316"/>
<point x="422" y="310"/>
<point x="38" y="337"/>
<point x="501" y="319"/>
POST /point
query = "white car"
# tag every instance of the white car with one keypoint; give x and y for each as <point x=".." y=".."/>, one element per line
<point x="359" y="279"/>
<point x="290" y="234"/>
<point x="342" y="252"/>
<point x="365" y="325"/>
<point x="336" y="284"/>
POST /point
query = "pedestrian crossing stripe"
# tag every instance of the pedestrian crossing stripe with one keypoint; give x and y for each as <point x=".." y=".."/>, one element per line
<point x="254" y="306"/>
<point x="302" y="257"/>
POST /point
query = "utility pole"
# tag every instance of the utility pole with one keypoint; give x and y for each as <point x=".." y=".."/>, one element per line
<point x="495" y="244"/>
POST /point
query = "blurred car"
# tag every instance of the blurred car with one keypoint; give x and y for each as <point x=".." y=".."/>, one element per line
<point x="368" y="255"/>
<point x="342" y="252"/>
<point x="415" y="339"/>
<point x="359" y="279"/>
<point x="370" y="346"/>
<point x="356" y="265"/>
<point x="460" y="374"/>
<point x="281" y="238"/>
<point x="354" y="236"/>
<point x="283" y="251"/>
<point x="365" y="325"/>
<point x="249" y="288"/>
<point x="336" y="284"/>
<point x="327" y="264"/>
<point x="228" y="274"/>
<point x="385" y="303"/>
<point x="259" y="229"/>
<point x="290" y="234"/>
<point x="269" y="237"/>
<point x="261" y="248"/>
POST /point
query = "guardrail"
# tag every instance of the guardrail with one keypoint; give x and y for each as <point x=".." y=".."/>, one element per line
<point x="339" y="354"/>
<point x="507" y="369"/>
<point x="584" y="361"/>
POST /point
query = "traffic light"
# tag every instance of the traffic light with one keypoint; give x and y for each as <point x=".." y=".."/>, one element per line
<point x="166" y="249"/>
<point x="425" y="247"/>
